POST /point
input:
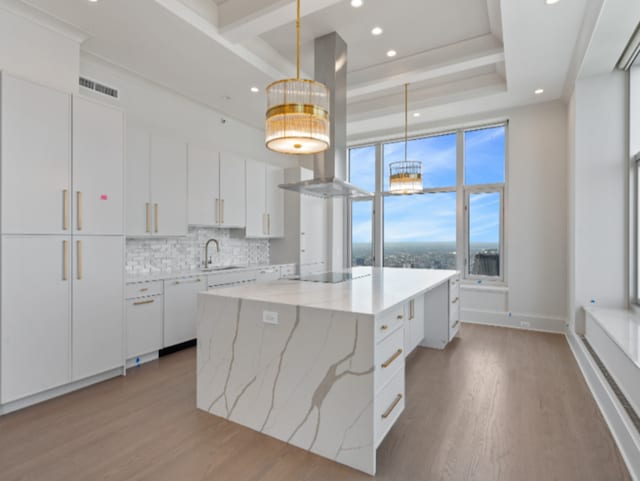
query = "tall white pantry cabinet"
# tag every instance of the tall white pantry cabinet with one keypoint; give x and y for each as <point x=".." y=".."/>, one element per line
<point x="62" y="244"/>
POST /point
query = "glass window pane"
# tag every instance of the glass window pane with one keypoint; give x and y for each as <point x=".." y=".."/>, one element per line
<point x="361" y="233"/>
<point x="437" y="154"/>
<point x="484" y="234"/>
<point x="420" y="231"/>
<point x="484" y="156"/>
<point x="362" y="167"/>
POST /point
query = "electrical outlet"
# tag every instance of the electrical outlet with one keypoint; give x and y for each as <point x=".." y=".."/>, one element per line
<point x="525" y="324"/>
<point x="270" y="317"/>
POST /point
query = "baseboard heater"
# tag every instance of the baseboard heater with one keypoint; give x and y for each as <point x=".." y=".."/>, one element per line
<point x="624" y="402"/>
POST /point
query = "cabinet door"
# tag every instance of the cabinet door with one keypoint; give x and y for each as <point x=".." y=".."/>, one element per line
<point x="138" y="201"/>
<point x="203" y="186"/>
<point x="98" y="304"/>
<point x="35" y="346"/>
<point x="180" y="309"/>
<point x="36" y="158"/>
<point x="275" y="202"/>
<point x="144" y="325"/>
<point x="169" y="186"/>
<point x="256" y="199"/>
<point x="313" y="238"/>
<point x="98" y="168"/>
<point x="414" y="327"/>
<point x="232" y="191"/>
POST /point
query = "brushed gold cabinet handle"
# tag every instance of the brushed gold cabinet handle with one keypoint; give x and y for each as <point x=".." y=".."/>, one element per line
<point x="395" y="356"/>
<point x="222" y="211"/>
<point x="156" y="216"/>
<point x="65" y="260"/>
<point x="455" y="324"/>
<point x="217" y="210"/>
<point x="384" y="327"/>
<point x="148" y="230"/>
<point x="390" y="409"/>
<point x="411" y="309"/>
<point x="400" y="317"/>
<point x="144" y="289"/>
<point x="139" y="303"/>
<point x="79" y="209"/>
<point x="264" y="223"/>
<point x="455" y="300"/>
<point x="65" y="209"/>
<point x="79" y="253"/>
<point x="268" y="224"/>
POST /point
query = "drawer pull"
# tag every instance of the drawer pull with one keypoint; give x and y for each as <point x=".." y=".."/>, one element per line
<point x="455" y="300"/>
<point x="395" y="356"/>
<point x="148" y="301"/>
<point x="384" y="327"/>
<point x="390" y="409"/>
<point x="399" y="317"/>
<point x="455" y="324"/>
<point x="189" y="282"/>
<point x="144" y="289"/>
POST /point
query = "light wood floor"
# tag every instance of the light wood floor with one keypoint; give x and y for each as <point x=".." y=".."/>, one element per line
<point x="497" y="404"/>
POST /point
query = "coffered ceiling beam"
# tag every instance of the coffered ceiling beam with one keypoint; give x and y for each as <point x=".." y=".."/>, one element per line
<point x="459" y="57"/>
<point x="241" y="21"/>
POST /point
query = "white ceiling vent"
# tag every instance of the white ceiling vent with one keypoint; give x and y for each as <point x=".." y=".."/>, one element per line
<point x="98" y="87"/>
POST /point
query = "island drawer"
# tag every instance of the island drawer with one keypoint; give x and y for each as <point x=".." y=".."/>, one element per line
<point x="389" y="358"/>
<point x="143" y="289"/>
<point x="388" y="321"/>
<point x="388" y="406"/>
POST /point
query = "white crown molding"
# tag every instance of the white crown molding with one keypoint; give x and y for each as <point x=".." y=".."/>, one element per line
<point x="34" y="14"/>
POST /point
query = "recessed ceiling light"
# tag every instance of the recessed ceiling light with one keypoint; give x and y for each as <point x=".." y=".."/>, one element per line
<point x="255" y="89"/>
<point x="538" y="91"/>
<point x="391" y="53"/>
<point x="356" y="3"/>
<point x="93" y="1"/>
<point x="376" y="31"/>
<point x="416" y="114"/>
<point x="551" y="2"/>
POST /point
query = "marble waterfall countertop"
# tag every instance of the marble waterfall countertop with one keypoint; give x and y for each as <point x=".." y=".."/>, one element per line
<point x="379" y="290"/>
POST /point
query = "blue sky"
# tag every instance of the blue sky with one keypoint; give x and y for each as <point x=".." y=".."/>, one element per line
<point x="432" y="217"/>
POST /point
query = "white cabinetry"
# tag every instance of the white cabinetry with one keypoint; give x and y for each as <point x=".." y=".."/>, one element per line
<point x="180" y="309"/>
<point x="305" y="228"/>
<point x="144" y="324"/>
<point x="265" y="200"/>
<point x="98" y="169"/>
<point x="216" y="189"/>
<point x="36" y="317"/>
<point x="414" y="325"/>
<point x="36" y="158"/>
<point x="98" y="287"/>
<point x="156" y="185"/>
<point x="441" y="322"/>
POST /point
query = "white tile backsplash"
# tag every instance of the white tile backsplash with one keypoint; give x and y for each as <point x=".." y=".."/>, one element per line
<point x="149" y="255"/>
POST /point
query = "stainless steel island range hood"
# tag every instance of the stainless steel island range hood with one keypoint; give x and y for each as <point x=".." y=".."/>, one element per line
<point x="330" y="166"/>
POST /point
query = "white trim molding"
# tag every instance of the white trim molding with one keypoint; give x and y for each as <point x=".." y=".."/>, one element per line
<point x="529" y="322"/>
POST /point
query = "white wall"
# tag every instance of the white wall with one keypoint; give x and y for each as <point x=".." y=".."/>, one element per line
<point x="150" y="106"/>
<point x="536" y="226"/>
<point x="31" y="50"/>
<point x="600" y="194"/>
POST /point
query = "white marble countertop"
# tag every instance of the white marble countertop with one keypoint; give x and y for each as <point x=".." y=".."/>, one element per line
<point x="379" y="291"/>
<point x="162" y="276"/>
<point x="622" y="326"/>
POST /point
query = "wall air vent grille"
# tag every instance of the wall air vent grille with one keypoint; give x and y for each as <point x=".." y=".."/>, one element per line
<point x="98" y="87"/>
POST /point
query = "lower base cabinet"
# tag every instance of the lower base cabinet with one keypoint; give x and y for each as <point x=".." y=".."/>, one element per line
<point x="144" y="325"/>
<point x="180" y="309"/>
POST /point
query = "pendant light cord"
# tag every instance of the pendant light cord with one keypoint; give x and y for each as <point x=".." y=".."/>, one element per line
<point x="406" y="120"/>
<point x="298" y="42"/>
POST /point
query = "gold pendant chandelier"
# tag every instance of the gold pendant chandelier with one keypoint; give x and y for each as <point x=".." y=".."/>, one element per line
<point x="405" y="177"/>
<point x="297" y="112"/>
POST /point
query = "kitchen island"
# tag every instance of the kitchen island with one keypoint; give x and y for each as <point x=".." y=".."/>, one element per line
<point x="319" y="365"/>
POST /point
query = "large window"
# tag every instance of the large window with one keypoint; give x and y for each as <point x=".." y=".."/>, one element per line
<point x="458" y="220"/>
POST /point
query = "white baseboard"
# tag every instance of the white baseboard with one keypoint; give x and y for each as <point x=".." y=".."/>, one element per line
<point x="622" y="430"/>
<point x="140" y="360"/>
<point x="514" y="320"/>
<point x="58" y="391"/>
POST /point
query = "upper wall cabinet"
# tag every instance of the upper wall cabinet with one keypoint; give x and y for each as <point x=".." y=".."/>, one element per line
<point x="36" y="158"/>
<point x="216" y="188"/>
<point x="156" y="185"/>
<point x="265" y="200"/>
<point x="98" y="168"/>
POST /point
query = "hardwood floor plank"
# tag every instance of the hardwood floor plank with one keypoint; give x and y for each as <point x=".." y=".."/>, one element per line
<point x="497" y="404"/>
